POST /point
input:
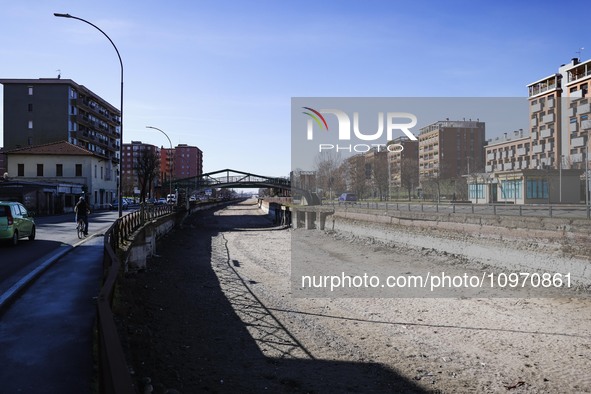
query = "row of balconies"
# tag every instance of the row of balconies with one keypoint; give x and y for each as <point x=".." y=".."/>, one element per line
<point x="99" y="109"/>
<point x="578" y="110"/>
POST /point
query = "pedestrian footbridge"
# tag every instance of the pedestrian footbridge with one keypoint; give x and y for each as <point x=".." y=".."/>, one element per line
<point x="232" y="179"/>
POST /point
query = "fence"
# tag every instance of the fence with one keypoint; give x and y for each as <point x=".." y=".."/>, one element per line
<point x="543" y="210"/>
<point x="114" y="377"/>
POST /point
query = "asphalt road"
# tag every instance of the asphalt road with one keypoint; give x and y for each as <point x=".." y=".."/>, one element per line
<point x="53" y="232"/>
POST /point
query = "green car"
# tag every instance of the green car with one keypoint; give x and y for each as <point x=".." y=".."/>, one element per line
<point x="15" y="222"/>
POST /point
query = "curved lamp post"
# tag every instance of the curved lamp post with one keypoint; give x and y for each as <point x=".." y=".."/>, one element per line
<point x="169" y="155"/>
<point x="120" y="180"/>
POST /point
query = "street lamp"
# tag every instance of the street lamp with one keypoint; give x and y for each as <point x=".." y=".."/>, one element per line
<point x="169" y="155"/>
<point x="120" y="180"/>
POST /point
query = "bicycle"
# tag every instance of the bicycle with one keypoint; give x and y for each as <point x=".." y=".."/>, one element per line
<point x="80" y="228"/>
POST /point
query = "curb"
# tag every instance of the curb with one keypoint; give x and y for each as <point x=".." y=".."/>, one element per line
<point x="9" y="295"/>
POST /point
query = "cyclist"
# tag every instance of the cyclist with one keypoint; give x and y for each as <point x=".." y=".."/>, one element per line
<point x="82" y="210"/>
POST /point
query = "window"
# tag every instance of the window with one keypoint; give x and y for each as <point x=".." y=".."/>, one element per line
<point x="511" y="189"/>
<point x="78" y="169"/>
<point x="537" y="188"/>
<point x="95" y="170"/>
<point x="476" y="191"/>
<point x="30" y="90"/>
<point x="39" y="169"/>
<point x="59" y="170"/>
<point x="30" y="124"/>
<point x="30" y="107"/>
<point x="20" y="169"/>
<point x="30" y="141"/>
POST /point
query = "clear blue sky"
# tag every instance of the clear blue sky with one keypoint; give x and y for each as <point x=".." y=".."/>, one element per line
<point x="220" y="74"/>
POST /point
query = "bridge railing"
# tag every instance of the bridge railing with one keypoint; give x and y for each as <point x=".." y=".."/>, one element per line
<point x="114" y="377"/>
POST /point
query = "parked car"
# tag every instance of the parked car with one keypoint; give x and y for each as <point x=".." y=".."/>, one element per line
<point x="160" y="201"/>
<point x="193" y="198"/>
<point x="348" y="198"/>
<point x="115" y="204"/>
<point x="15" y="222"/>
<point x="171" y="198"/>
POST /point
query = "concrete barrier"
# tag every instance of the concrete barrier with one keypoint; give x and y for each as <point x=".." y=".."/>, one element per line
<point x="516" y="244"/>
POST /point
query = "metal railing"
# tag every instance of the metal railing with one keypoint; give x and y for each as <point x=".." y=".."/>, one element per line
<point x="114" y="377"/>
<point x="541" y="210"/>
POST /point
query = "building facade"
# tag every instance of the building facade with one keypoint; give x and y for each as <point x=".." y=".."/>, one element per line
<point x="56" y="174"/>
<point x="134" y="155"/>
<point x="42" y="111"/>
<point x="450" y="149"/>
<point x="188" y="161"/>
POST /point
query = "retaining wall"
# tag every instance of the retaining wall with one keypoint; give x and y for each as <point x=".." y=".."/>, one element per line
<point x="529" y="244"/>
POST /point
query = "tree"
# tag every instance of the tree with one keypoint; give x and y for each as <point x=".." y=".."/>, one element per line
<point x="355" y="171"/>
<point x="328" y="174"/>
<point x="146" y="168"/>
<point x="409" y="174"/>
<point x="381" y="177"/>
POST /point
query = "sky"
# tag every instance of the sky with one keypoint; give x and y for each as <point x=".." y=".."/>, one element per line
<point x="220" y="75"/>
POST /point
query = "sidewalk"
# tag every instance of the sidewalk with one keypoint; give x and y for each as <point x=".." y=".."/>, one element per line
<point x="46" y="335"/>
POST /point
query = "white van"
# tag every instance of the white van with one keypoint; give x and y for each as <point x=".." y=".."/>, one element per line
<point x="171" y="198"/>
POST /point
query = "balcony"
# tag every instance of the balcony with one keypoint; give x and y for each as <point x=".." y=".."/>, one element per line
<point x="490" y="156"/>
<point x="583" y="109"/>
<point x="548" y="118"/>
<point x="521" y="151"/>
<point x="488" y="168"/>
<point x="533" y="163"/>
<point x="577" y="142"/>
<point x="577" y="94"/>
<point x="534" y="121"/>
<point x="586" y="124"/>
<point x="549" y="147"/>
<point x="546" y="133"/>
<point x="524" y="164"/>
<point x="534" y="135"/>
<point x="538" y="148"/>
<point x="572" y="127"/>
<point x="571" y="112"/>
<point x="507" y="166"/>
<point x="536" y="107"/>
<point x="576" y="158"/>
<point x="550" y="103"/>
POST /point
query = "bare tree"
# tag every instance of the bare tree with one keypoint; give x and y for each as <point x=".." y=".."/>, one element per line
<point x="356" y="175"/>
<point x="328" y="173"/>
<point x="409" y="174"/>
<point x="146" y="168"/>
<point x="381" y="177"/>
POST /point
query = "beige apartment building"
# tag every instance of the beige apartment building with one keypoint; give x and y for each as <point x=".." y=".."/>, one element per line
<point x="448" y="150"/>
<point x="546" y="164"/>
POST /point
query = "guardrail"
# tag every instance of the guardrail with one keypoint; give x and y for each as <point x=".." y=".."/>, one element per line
<point x="114" y="377"/>
<point x="541" y="210"/>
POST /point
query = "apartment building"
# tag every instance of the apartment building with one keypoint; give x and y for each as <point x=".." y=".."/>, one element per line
<point x="559" y="117"/>
<point x="578" y="110"/>
<point x="546" y="165"/>
<point x="132" y="157"/>
<point x="46" y="110"/>
<point x="508" y="152"/>
<point x="187" y="161"/>
<point x="450" y="149"/>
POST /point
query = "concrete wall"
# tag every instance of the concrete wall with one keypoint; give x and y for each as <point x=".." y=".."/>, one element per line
<point x="510" y="243"/>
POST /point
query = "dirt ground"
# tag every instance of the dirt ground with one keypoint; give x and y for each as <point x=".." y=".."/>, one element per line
<point x="215" y="312"/>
